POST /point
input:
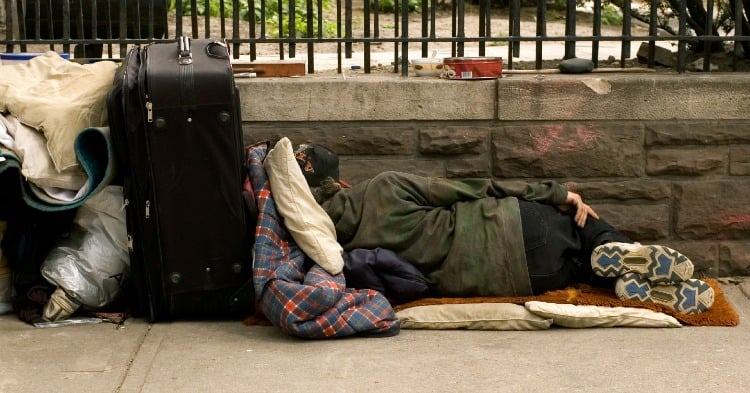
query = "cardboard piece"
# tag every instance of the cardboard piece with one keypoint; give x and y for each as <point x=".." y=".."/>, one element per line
<point x="269" y="68"/>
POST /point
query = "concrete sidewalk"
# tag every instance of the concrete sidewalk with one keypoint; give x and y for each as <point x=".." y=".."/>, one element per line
<point x="227" y="356"/>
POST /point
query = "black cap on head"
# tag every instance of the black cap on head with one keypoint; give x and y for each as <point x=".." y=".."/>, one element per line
<point x="317" y="162"/>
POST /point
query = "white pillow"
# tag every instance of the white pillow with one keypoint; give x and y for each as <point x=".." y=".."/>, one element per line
<point x="472" y="316"/>
<point x="583" y="316"/>
<point x="307" y="222"/>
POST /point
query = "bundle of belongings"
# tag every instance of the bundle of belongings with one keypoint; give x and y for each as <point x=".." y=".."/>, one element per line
<point x="65" y="241"/>
<point x="62" y="218"/>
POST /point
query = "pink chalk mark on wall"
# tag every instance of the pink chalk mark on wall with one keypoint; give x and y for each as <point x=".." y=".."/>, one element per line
<point x="581" y="137"/>
<point x="545" y="139"/>
<point x="734" y="220"/>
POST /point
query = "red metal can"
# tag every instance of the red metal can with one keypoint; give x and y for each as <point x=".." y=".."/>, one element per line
<point x="473" y="67"/>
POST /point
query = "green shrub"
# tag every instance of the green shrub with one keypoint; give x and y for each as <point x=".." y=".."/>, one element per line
<point x="271" y="14"/>
<point x="390" y="5"/>
<point x="611" y="15"/>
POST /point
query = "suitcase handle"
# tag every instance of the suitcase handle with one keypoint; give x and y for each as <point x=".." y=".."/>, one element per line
<point x="185" y="56"/>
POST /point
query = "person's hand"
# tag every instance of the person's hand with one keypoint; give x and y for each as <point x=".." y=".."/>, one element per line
<point x="582" y="210"/>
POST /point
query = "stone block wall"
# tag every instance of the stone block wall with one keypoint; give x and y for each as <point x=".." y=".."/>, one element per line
<point x="682" y="184"/>
<point x="664" y="158"/>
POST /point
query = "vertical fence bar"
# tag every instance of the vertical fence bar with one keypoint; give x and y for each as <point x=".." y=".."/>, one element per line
<point x="320" y="19"/>
<point x="626" y="32"/>
<point x="652" y="32"/>
<point x="405" y="37"/>
<point x="511" y="28"/>
<point x="280" y="13"/>
<point x="108" y="12"/>
<point x="396" y="34"/>
<point x="738" y="20"/>
<point x="292" y="29"/>
<point x="222" y="15"/>
<point x="94" y="22"/>
<point x="488" y="22"/>
<point x="367" y="35"/>
<point x="483" y="12"/>
<point x="454" y="27"/>
<point x="433" y="16"/>
<point x="21" y="14"/>
<point x="514" y="29"/>
<point x="682" y="30"/>
<point x="570" y="29"/>
<point x="251" y="27"/>
<point x="461" y="16"/>
<point x="66" y="25"/>
<point x="37" y="20"/>
<point x="152" y="20"/>
<point x="338" y="35"/>
<point x="321" y="24"/>
<point x="137" y="20"/>
<point x="206" y="19"/>
<point x="708" y="45"/>
<point x="262" y="19"/>
<point x="236" y="28"/>
<point x="194" y="18"/>
<point x="597" y="32"/>
<point x="50" y="23"/>
<point x="9" y="25"/>
<point x="178" y="21"/>
<point x="348" y="28"/>
<point x="424" y="12"/>
<point x="541" y="31"/>
<point x="376" y="21"/>
<point x="517" y="26"/>
<point x="311" y="33"/>
<point x="123" y="33"/>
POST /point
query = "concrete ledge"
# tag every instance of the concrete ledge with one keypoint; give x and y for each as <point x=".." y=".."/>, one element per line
<point x="625" y="97"/>
<point x="516" y="97"/>
<point x="365" y="98"/>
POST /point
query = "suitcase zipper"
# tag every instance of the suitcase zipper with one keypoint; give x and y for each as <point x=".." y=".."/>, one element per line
<point x="149" y="111"/>
<point x="148" y="209"/>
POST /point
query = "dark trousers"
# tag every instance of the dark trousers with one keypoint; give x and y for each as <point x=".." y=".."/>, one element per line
<point x="558" y="252"/>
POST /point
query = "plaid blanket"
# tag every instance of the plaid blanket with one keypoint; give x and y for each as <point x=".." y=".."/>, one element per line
<point x="296" y="294"/>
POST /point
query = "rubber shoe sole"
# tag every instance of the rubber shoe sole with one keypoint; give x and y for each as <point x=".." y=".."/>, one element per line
<point x="658" y="264"/>
<point x="689" y="297"/>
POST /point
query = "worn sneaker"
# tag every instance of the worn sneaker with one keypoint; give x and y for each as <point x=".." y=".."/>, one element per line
<point x="658" y="264"/>
<point x="689" y="297"/>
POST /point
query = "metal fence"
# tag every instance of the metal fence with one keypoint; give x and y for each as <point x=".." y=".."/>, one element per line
<point x="105" y="28"/>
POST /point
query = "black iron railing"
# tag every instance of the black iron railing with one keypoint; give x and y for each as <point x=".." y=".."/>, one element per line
<point x="105" y="28"/>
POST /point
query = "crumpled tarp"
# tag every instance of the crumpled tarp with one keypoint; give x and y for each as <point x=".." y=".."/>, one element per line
<point x="293" y="292"/>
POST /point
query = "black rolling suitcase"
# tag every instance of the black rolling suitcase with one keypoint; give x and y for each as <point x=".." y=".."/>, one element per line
<point x="175" y="123"/>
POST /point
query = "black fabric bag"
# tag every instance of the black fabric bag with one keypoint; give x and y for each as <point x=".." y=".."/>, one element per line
<point x="175" y="122"/>
<point x="30" y="235"/>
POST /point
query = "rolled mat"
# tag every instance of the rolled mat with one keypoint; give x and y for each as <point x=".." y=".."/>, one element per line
<point x="93" y="148"/>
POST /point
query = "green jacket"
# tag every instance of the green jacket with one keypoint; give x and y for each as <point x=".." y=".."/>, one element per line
<point x="465" y="235"/>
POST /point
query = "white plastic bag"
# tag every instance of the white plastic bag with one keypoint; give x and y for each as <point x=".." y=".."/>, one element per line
<point x="93" y="263"/>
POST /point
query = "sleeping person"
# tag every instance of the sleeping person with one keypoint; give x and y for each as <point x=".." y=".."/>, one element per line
<point x="483" y="237"/>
